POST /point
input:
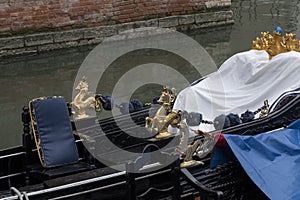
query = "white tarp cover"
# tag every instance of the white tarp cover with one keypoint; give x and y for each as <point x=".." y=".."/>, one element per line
<point x="242" y="82"/>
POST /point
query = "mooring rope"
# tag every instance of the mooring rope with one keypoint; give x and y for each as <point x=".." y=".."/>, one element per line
<point x="19" y="194"/>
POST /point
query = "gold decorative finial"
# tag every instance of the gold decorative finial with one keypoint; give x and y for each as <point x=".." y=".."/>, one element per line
<point x="84" y="100"/>
<point x="276" y="44"/>
<point x="157" y="123"/>
<point x="264" y="110"/>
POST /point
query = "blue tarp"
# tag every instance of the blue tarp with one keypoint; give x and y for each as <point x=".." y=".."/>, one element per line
<point x="272" y="160"/>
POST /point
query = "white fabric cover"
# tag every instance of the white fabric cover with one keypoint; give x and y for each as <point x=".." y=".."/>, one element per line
<point x="243" y="82"/>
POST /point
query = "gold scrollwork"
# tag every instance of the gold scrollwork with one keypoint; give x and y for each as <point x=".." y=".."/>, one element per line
<point x="276" y="44"/>
<point x="84" y="100"/>
<point x="157" y="124"/>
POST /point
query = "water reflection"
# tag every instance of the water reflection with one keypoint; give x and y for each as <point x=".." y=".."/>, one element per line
<point x="26" y="78"/>
<point x="51" y="74"/>
<point x="255" y="16"/>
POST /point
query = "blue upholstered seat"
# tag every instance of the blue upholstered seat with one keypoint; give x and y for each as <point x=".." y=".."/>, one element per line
<point x="53" y="131"/>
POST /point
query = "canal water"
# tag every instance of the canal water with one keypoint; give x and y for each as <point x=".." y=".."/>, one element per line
<point x="48" y="74"/>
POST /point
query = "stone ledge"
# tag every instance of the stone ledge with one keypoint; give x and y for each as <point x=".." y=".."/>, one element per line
<point x="213" y="17"/>
<point x="38" y="39"/>
<point x="11" y="43"/>
<point x="36" y="43"/>
<point x="66" y="36"/>
<point x="212" y="24"/>
<point x="213" y="4"/>
<point x="168" y="22"/>
<point x="99" y="32"/>
<point x="186" y="19"/>
<point x="19" y="51"/>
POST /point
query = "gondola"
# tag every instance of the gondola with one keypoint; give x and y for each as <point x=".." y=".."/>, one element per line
<point x="27" y="173"/>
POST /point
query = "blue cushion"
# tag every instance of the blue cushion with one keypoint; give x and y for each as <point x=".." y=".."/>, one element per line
<point x="57" y="142"/>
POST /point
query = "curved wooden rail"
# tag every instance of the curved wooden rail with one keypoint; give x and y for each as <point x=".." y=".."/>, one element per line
<point x="205" y="193"/>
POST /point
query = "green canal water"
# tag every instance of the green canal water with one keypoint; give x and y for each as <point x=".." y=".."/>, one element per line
<point x="49" y="74"/>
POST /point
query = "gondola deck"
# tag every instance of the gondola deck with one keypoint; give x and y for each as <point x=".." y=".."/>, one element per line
<point x="228" y="178"/>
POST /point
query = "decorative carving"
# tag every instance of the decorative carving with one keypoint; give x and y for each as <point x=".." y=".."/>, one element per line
<point x="276" y="44"/>
<point x="158" y="122"/>
<point x="188" y="156"/>
<point x="83" y="100"/>
<point x="176" y="120"/>
<point x="264" y="110"/>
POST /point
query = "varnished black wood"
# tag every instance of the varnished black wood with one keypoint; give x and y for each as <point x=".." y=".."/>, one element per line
<point x="205" y="193"/>
<point x="130" y="180"/>
<point x="27" y="141"/>
<point x="229" y="179"/>
<point x="154" y="192"/>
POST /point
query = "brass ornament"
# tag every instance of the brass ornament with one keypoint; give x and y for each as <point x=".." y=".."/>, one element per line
<point x="84" y="100"/>
<point x="188" y="155"/>
<point x="158" y="124"/>
<point x="264" y="112"/>
<point x="175" y="119"/>
<point x="276" y="44"/>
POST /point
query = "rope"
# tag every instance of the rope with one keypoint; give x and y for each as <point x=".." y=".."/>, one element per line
<point x="25" y="195"/>
<point x="17" y="192"/>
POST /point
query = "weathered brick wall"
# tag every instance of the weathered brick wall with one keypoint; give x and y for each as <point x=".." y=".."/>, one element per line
<point x="39" y="15"/>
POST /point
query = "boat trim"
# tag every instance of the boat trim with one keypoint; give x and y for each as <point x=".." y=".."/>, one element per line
<point x="12" y="175"/>
<point x="79" y="183"/>
<point x="11" y="155"/>
<point x="71" y="185"/>
<point x="107" y="186"/>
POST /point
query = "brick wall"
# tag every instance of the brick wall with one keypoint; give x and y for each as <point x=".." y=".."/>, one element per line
<point x="39" y="15"/>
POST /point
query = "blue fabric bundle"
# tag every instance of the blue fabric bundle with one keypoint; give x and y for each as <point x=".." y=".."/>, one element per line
<point x="107" y="102"/>
<point x="221" y="122"/>
<point x="137" y="105"/>
<point x="131" y="106"/>
<point x="234" y="119"/>
<point x="248" y="116"/>
<point x="126" y="107"/>
<point x="225" y="121"/>
<point x="194" y="119"/>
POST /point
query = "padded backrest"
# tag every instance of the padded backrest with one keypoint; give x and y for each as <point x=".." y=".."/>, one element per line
<point x="53" y="131"/>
